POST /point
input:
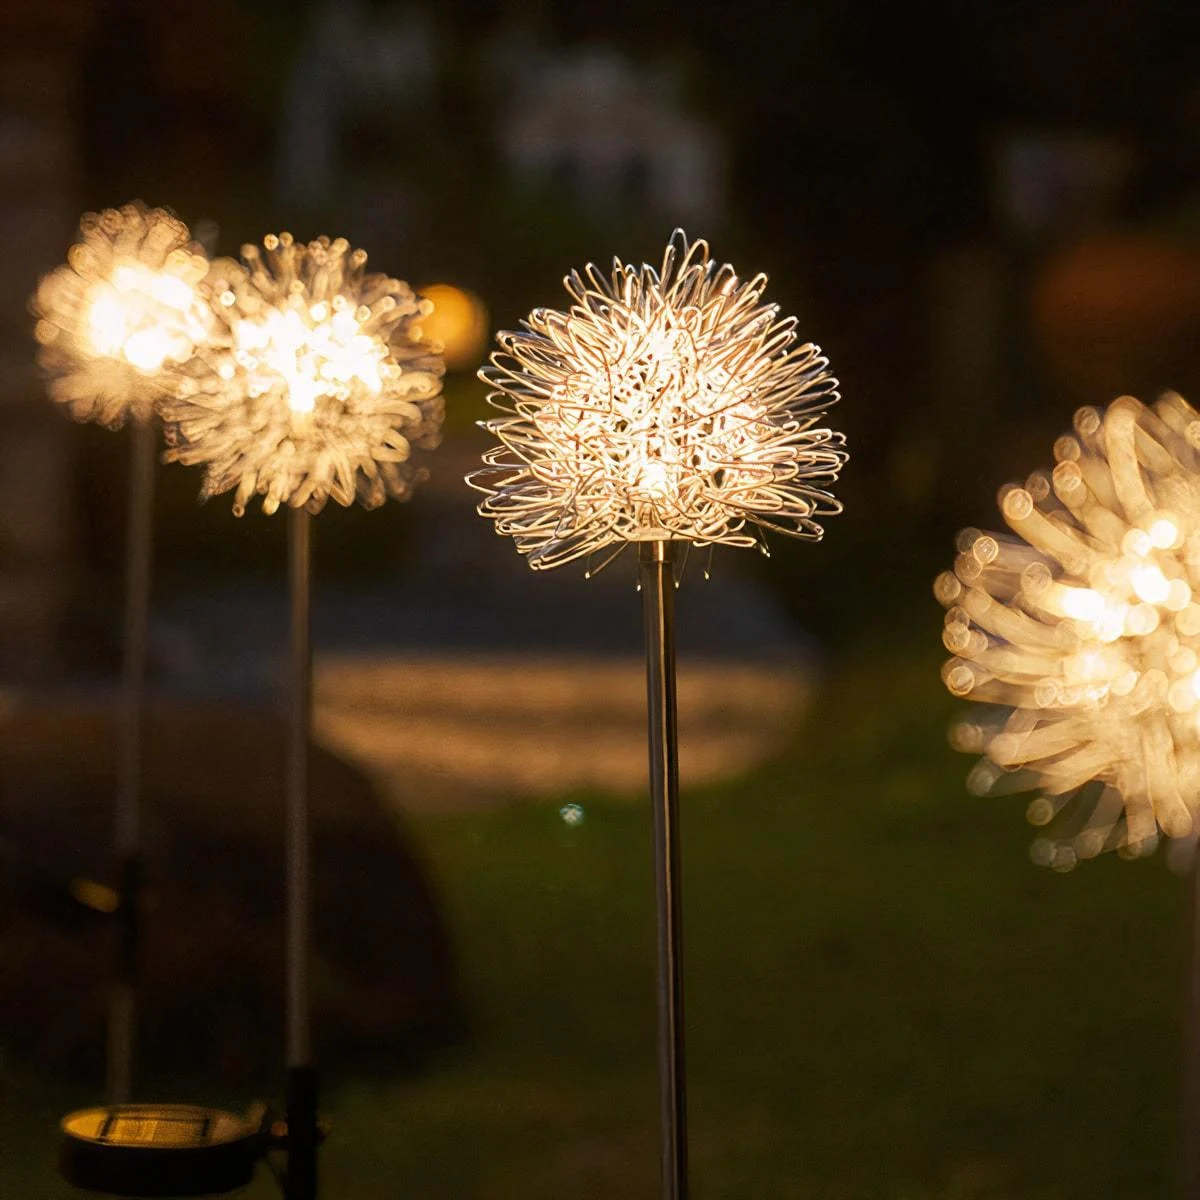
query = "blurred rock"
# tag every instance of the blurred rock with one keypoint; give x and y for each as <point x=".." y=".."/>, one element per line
<point x="212" y="1002"/>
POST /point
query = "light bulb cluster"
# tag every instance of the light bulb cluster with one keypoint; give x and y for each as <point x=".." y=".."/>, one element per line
<point x="319" y="384"/>
<point x="1082" y="635"/>
<point x="120" y="313"/>
<point x="665" y="403"/>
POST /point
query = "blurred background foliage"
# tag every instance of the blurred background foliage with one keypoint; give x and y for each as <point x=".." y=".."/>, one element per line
<point x="984" y="214"/>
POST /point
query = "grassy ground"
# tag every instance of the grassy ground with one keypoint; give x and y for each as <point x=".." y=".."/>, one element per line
<point x="886" y="1000"/>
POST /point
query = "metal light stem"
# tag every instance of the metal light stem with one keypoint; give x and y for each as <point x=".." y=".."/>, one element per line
<point x="1191" y="1041"/>
<point x="139" y="551"/>
<point x="658" y="605"/>
<point x="301" y="1082"/>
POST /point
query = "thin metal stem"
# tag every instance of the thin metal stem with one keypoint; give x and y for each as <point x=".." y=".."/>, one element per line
<point x="139" y="553"/>
<point x="658" y="604"/>
<point x="1191" y="1040"/>
<point x="302" y="1090"/>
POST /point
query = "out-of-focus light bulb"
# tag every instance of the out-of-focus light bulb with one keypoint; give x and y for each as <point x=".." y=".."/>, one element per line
<point x="147" y="349"/>
<point x="1149" y="583"/>
<point x="1082" y="604"/>
<point x="458" y="323"/>
<point x="654" y="480"/>
<point x="1164" y="533"/>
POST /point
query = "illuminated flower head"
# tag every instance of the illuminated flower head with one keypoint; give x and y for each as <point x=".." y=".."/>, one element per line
<point x="119" y="313"/>
<point x="320" y="387"/>
<point x="1083" y="634"/>
<point x="663" y="404"/>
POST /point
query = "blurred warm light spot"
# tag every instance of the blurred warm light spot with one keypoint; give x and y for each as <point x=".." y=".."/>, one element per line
<point x="459" y="322"/>
<point x="316" y="351"/>
<point x="1082" y="604"/>
<point x="1150" y="584"/>
<point x="140" y="315"/>
<point x="94" y="895"/>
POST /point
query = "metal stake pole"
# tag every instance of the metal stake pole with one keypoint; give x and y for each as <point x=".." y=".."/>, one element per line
<point x="301" y="1070"/>
<point x="139" y="550"/>
<point x="658" y="605"/>
<point x="1191" y="1041"/>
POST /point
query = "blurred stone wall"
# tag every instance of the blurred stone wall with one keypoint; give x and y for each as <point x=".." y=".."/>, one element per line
<point x="40" y="44"/>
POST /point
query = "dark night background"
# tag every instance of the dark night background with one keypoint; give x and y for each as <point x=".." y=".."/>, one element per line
<point x="987" y="214"/>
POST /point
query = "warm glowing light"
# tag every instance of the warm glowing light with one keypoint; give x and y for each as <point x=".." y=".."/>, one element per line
<point x="325" y="355"/>
<point x="458" y="323"/>
<point x="663" y="404"/>
<point x="1150" y="584"/>
<point x="94" y="895"/>
<point x="321" y="387"/>
<point x="1082" y="634"/>
<point x="122" y="308"/>
<point x="1164" y="533"/>
<point x="1082" y="604"/>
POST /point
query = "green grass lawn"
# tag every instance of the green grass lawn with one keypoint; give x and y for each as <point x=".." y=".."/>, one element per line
<point x="886" y="999"/>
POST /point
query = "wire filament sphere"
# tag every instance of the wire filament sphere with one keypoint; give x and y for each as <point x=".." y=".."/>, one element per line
<point x="665" y="403"/>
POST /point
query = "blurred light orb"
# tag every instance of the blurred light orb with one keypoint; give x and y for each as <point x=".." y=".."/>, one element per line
<point x="320" y="386"/>
<point x="120" y="312"/>
<point x="665" y="403"/>
<point x="1082" y="634"/>
<point x="458" y="323"/>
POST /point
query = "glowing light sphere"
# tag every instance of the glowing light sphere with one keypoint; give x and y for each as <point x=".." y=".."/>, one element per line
<point x="322" y="385"/>
<point x="1082" y="635"/>
<point x="665" y="403"/>
<point x="120" y="313"/>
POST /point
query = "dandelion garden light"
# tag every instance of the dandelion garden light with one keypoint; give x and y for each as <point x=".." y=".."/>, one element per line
<point x="320" y="387"/>
<point x="664" y="406"/>
<point x="113" y="323"/>
<point x="1082" y="635"/>
<point x="668" y="404"/>
<point x="120" y="313"/>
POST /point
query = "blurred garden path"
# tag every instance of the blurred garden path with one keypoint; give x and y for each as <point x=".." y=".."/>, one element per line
<point x="464" y="678"/>
<point x="453" y="731"/>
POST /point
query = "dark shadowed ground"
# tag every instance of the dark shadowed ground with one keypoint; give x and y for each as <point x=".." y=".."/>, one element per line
<point x="886" y="998"/>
